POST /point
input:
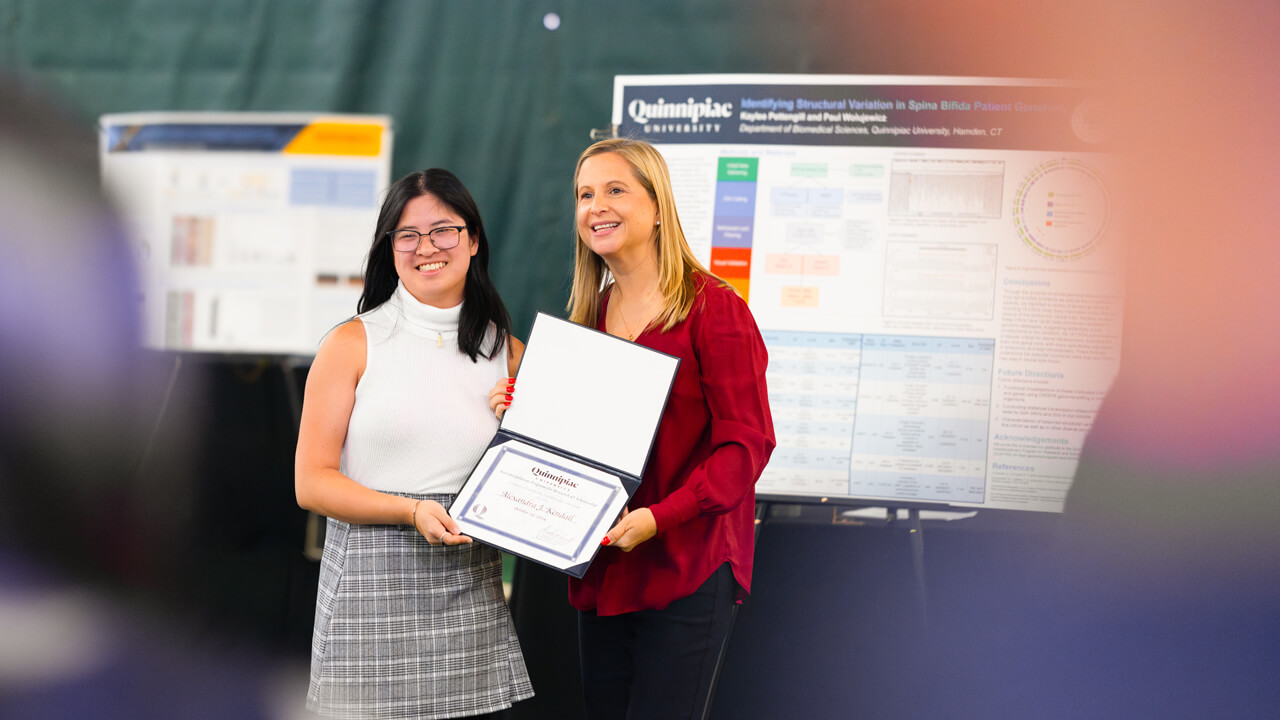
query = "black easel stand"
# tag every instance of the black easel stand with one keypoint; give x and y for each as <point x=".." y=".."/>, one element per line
<point x="164" y="407"/>
<point x="762" y="510"/>
<point x="916" y="534"/>
<point x="313" y="536"/>
<point x="289" y="366"/>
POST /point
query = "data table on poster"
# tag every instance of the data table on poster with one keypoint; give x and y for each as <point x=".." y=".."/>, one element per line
<point x="900" y="417"/>
<point x="813" y="393"/>
<point x="923" y="415"/>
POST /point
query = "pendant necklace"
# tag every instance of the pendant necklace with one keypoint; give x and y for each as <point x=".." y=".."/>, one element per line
<point x="631" y="334"/>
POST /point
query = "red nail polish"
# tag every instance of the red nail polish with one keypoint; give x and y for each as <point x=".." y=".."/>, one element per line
<point x="507" y="402"/>
<point x="510" y="388"/>
<point x="508" y="397"/>
<point x="606" y="540"/>
<point x="510" y="380"/>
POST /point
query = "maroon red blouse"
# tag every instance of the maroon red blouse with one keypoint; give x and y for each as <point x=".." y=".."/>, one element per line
<point x="714" y="439"/>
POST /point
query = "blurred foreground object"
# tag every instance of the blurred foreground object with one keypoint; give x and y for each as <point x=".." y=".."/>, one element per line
<point x="1161" y="600"/>
<point x="85" y="532"/>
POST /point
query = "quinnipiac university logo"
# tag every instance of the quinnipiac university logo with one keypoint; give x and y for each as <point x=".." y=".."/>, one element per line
<point x="690" y="116"/>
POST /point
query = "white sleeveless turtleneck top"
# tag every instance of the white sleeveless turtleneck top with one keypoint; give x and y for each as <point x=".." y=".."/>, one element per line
<point x="421" y="419"/>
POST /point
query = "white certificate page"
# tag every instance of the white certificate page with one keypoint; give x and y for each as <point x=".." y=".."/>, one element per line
<point x="538" y="504"/>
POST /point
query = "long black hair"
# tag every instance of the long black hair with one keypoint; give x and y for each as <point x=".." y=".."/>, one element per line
<point x="481" y="304"/>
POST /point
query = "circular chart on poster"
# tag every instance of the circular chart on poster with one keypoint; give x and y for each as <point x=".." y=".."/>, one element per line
<point x="1061" y="209"/>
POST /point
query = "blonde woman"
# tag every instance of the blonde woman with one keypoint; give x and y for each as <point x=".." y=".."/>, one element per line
<point x="656" y="605"/>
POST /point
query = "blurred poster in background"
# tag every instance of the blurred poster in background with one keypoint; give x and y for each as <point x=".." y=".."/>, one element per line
<point x="251" y="228"/>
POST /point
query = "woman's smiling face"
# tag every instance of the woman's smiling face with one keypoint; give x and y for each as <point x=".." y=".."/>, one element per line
<point x="435" y="277"/>
<point x="616" y="218"/>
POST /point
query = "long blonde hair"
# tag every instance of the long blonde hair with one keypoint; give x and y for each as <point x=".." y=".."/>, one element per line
<point x="676" y="263"/>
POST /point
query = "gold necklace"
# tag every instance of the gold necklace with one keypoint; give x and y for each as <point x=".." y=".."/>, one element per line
<point x="631" y="334"/>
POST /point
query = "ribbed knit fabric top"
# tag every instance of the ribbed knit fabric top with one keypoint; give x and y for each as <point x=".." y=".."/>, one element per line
<point x="421" y="419"/>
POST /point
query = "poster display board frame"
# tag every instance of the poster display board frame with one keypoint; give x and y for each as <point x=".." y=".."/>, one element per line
<point x="934" y="263"/>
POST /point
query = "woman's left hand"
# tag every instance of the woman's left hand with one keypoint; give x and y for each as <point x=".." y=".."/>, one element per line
<point x="433" y="521"/>
<point x="500" y="396"/>
<point x="632" y="529"/>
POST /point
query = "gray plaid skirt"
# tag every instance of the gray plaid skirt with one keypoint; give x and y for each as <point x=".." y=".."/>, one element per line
<point x="405" y="629"/>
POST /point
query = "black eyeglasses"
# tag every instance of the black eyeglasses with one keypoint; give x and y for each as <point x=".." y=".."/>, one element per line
<point x="445" y="237"/>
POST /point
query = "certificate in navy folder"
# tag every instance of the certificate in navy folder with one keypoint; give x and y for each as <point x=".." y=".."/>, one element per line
<point x="571" y="449"/>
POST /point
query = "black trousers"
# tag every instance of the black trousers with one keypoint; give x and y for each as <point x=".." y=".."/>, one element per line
<point x="657" y="664"/>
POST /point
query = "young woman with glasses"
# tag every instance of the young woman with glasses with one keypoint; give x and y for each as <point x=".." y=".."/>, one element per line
<point x="411" y="621"/>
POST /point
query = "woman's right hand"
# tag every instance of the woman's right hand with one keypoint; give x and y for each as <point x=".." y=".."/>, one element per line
<point x="500" y="396"/>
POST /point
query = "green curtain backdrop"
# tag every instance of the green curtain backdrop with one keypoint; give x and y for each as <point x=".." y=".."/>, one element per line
<point x="481" y="87"/>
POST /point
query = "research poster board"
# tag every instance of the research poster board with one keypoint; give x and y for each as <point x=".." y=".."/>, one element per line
<point x="934" y="263"/>
<point x="251" y="228"/>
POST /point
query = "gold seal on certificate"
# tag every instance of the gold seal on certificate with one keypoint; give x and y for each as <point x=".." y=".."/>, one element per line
<point x="556" y="475"/>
